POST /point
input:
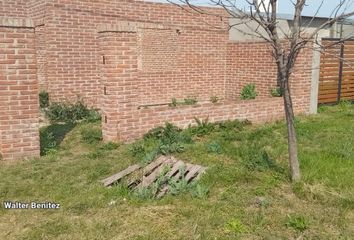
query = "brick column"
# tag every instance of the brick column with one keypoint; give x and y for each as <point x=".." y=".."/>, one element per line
<point x="19" y="110"/>
<point x="119" y="83"/>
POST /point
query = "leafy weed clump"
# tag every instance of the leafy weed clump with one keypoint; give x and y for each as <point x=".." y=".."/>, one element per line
<point x="249" y="92"/>
<point x="71" y="112"/>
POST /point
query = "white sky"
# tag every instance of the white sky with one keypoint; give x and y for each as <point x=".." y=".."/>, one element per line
<point x="285" y="6"/>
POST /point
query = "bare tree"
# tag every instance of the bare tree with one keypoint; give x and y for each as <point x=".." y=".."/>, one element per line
<point x="264" y="14"/>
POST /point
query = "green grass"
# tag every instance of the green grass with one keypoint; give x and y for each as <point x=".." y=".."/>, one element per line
<point x="249" y="195"/>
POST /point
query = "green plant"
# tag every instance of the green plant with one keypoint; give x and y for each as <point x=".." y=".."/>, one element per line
<point x="93" y="116"/>
<point x="214" y="99"/>
<point x="173" y="103"/>
<point x="109" y="146"/>
<point x="151" y="192"/>
<point x="91" y="135"/>
<point x="235" y="225"/>
<point x="299" y="223"/>
<point x="137" y="150"/>
<point x="275" y="92"/>
<point x="178" y="186"/>
<point x="203" y="127"/>
<point x="48" y="142"/>
<point x="214" y="147"/>
<point x="199" y="191"/>
<point x="190" y="101"/>
<point x="150" y="156"/>
<point x="71" y="112"/>
<point x="258" y="160"/>
<point x="249" y="92"/>
<point x="43" y="99"/>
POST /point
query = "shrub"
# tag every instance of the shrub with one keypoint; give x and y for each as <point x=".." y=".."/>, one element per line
<point x="214" y="99"/>
<point x="249" y="92"/>
<point x="299" y="223"/>
<point x="71" y="112"/>
<point x="91" y="135"/>
<point x="43" y="99"/>
<point x="275" y="92"/>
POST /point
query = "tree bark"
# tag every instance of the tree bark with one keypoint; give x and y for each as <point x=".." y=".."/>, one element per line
<point x="292" y="142"/>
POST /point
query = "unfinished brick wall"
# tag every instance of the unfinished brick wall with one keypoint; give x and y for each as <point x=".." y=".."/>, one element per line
<point x="19" y="135"/>
<point x="120" y="55"/>
<point x="72" y="50"/>
<point x="127" y="115"/>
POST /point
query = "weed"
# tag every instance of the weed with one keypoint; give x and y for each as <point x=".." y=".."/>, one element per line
<point x="186" y="101"/>
<point x="173" y="103"/>
<point x="137" y="150"/>
<point x="150" y="156"/>
<point x="214" y="99"/>
<point x="190" y="101"/>
<point x="203" y="127"/>
<point x="91" y="135"/>
<point x="235" y="226"/>
<point x="71" y="112"/>
<point x="43" y="99"/>
<point x="214" y="147"/>
<point x="249" y="92"/>
<point x="51" y="137"/>
<point x="200" y="191"/>
<point x="298" y="223"/>
<point x="177" y="187"/>
<point x="275" y="92"/>
<point x="48" y="142"/>
<point x="109" y="146"/>
<point x="258" y="160"/>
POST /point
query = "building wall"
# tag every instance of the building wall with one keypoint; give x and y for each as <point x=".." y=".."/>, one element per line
<point x="15" y="8"/>
<point x="250" y="62"/>
<point x="120" y="55"/>
<point x="126" y="119"/>
<point x="19" y="135"/>
<point x="71" y="32"/>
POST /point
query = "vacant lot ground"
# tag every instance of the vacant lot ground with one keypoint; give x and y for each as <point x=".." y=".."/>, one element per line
<point x="250" y="195"/>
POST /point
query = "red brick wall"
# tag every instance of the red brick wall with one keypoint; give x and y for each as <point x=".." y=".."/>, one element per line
<point x="250" y="62"/>
<point x="120" y="74"/>
<point x="193" y="66"/>
<point x="124" y="119"/>
<point x="13" y="8"/>
<point x="72" y="48"/>
<point x="165" y="52"/>
<point x="19" y="135"/>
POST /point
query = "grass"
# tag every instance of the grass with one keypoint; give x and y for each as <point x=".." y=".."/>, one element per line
<point x="249" y="192"/>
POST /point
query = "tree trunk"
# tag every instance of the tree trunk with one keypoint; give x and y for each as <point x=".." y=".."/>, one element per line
<point x="292" y="142"/>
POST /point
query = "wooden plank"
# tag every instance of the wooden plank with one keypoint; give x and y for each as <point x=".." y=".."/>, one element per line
<point x="175" y="168"/>
<point x="116" y="177"/>
<point x="200" y="173"/>
<point x="148" y="180"/>
<point x="149" y="168"/>
<point x="193" y="172"/>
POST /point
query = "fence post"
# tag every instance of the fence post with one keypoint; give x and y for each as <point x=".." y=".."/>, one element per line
<point x="341" y="60"/>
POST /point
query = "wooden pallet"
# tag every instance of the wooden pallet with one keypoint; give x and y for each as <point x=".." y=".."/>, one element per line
<point x="166" y="166"/>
